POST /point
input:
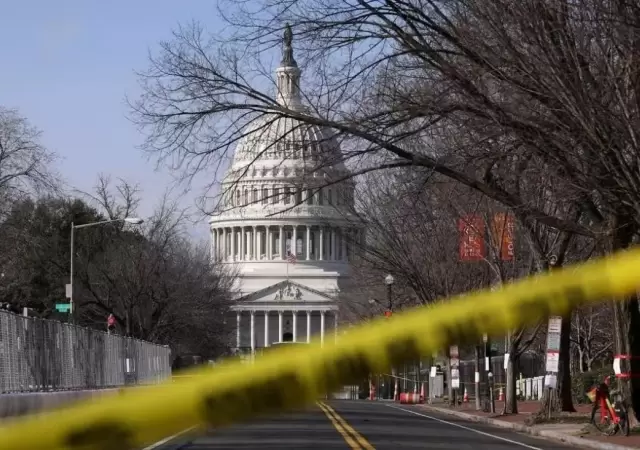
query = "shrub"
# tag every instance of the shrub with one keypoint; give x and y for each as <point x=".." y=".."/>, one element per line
<point x="581" y="383"/>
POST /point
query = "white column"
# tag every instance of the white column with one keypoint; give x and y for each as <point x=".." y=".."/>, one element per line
<point x="334" y="247"/>
<point x="266" y="328"/>
<point x="294" y="241"/>
<point x="233" y="243"/>
<point x="243" y="246"/>
<point x="295" y="325"/>
<point x="224" y="244"/>
<point x="254" y="244"/>
<point x="343" y="243"/>
<point x="258" y="244"/>
<point x="308" y="243"/>
<point x="269" y="242"/>
<point x="212" y="246"/>
<point x="308" y="326"/>
<point x="279" y="326"/>
<point x="238" y="329"/>
<point x="322" y="313"/>
<point x="253" y="332"/>
<point x="281" y="247"/>
<point x="321" y="250"/>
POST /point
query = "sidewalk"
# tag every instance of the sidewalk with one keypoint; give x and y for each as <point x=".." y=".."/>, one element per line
<point x="571" y="428"/>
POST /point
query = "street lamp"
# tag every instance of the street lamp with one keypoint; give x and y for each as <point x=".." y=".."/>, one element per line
<point x="130" y="220"/>
<point x="389" y="280"/>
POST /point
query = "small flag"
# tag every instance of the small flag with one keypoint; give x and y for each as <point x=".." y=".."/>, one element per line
<point x="291" y="258"/>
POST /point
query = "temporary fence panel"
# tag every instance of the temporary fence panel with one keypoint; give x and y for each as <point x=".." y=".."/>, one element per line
<point x="45" y="355"/>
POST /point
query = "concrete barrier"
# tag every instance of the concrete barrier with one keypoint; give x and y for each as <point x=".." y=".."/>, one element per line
<point x="12" y="405"/>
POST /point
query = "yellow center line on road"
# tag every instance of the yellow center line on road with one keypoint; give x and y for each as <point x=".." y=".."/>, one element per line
<point x="355" y="440"/>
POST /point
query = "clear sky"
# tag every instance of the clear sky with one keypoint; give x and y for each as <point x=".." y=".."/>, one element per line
<point x="67" y="66"/>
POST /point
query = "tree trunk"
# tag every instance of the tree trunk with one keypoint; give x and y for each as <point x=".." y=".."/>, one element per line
<point x="449" y="387"/>
<point x="561" y="398"/>
<point x="564" y="374"/>
<point x="511" y="403"/>
<point x="627" y="326"/>
<point x="478" y="371"/>
<point x="627" y="321"/>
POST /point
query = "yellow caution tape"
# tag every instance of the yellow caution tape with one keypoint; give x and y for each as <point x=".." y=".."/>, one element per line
<point x="295" y="376"/>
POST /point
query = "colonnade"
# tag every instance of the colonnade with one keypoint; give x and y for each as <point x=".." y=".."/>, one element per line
<point x="282" y="315"/>
<point x="273" y="242"/>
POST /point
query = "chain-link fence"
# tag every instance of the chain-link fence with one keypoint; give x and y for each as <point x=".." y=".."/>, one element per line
<point x="44" y="355"/>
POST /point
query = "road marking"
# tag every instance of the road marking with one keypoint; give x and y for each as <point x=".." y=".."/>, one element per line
<point x="348" y="439"/>
<point x="165" y="440"/>
<point x="466" y="428"/>
<point x="361" y="440"/>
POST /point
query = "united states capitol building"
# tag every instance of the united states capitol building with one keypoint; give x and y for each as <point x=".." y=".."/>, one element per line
<point x="285" y="224"/>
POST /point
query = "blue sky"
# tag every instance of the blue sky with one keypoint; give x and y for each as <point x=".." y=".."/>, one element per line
<point x="67" y="66"/>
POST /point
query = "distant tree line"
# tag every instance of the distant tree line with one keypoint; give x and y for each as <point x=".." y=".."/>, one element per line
<point x="159" y="285"/>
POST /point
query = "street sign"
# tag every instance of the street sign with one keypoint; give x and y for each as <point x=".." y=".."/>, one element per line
<point x="63" y="307"/>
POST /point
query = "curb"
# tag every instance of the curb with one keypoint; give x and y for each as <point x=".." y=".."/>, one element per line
<point x="551" y="435"/>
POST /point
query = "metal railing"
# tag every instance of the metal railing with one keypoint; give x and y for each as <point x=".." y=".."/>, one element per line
<point x="45" y="355"/>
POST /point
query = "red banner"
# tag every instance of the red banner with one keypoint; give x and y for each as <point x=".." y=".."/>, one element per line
<point x="471" y="230"/>
<point x="504" y="235"/>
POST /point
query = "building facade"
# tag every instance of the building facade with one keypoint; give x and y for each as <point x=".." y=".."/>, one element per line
<point x="285" y="224"/>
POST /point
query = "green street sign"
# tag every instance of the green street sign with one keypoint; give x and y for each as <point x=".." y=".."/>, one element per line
<point x="63" y="307"/>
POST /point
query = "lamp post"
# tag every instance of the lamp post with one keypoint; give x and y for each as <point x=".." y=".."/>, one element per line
<point x="131" y="220"/>
<point x="389" y="280"/>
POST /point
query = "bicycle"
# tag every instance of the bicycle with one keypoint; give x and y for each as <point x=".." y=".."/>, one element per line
<point x="613" y="415"/>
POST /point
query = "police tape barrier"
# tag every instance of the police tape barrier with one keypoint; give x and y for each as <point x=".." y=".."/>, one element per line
<point x="291" y="377"/>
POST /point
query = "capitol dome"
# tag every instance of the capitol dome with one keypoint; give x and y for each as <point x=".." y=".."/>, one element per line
<point x="285" y="217"/>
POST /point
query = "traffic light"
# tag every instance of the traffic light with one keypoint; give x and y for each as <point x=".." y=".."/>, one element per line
<point x="111" y="323"/>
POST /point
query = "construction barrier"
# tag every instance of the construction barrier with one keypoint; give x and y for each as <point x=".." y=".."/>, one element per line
<point x="407" y="398"/>
<point x="291" y="377"/>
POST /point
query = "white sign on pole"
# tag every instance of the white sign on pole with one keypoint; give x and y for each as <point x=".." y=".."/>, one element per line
<point x="506" y="361"/>
<point x="433" y="371"/>
<point x="67" y="290"/>
<point x="455" y="383"/>
<point x="553" y="361"/>
<point x="477" y="377"/>
<point x="555" y="324"/>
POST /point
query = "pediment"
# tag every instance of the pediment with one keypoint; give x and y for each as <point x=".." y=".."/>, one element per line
<point x="287" y="292"/>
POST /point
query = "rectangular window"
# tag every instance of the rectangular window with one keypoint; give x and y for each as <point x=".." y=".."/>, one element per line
<point x="265" y="196"/>
<point x="309" y="196"/>
<point x="298" y="196"/>
<point x="287" y="195"/>
<point x="276" y="196"/>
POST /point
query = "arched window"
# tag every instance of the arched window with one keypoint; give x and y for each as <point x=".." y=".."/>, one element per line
<point x="330" y="196"/>
<point x="265" y="195"/>
<point x="254" y="198"/>
<point x="238" y="199"/>
<point x="276" y="196"/>
<point x="246" y="196"/>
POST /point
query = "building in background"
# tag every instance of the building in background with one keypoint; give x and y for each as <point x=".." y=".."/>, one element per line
<point x="291" y="260"/>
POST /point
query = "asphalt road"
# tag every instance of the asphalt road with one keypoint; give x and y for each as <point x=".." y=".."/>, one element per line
<point x="361" y="425"/>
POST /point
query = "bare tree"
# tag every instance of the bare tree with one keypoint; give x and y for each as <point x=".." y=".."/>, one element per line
<point x="592" y="336"/>
<point x="26" y="166"/>
<point x="535" y="88"/>
<point x="156" y="283"/>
